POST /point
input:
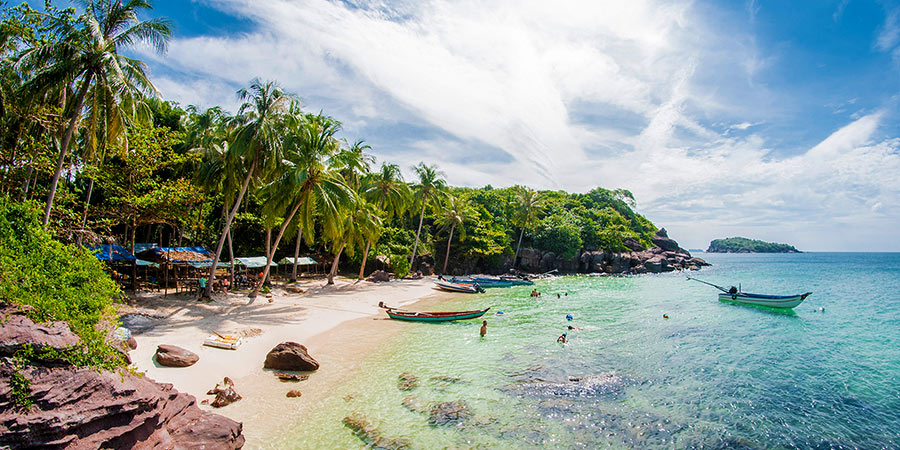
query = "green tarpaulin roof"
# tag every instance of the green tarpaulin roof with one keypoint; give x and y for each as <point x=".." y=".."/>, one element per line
<point x="302" y="261"/>
<point x="252" y="262"/>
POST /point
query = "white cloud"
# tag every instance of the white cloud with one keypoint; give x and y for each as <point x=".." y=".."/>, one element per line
<point x="573" y="96"/>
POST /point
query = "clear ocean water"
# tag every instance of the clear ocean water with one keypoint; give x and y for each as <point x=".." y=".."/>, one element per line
<point x="712" y="375"/>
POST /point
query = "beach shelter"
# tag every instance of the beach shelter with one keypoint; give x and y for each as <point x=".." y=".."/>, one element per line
<point x="116" y="257"/>
<point x="252" y="262"/>
<point x="301" y="261"/>
<point x="181" y="261"/>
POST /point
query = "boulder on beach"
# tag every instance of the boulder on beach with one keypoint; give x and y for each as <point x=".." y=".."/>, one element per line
<point x="290" y="356"/>
<point x="293" y="393"/>
<point x="174" y="356"/>
<point x="292" y="377"/>
<point x="379" y="276"/>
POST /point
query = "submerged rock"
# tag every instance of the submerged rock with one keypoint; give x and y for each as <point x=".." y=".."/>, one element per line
<point x="449" y="413"/>
<point x="371" y="436"/>
<point x="174" y="356"/>
<point x="290" y="356"/>
<point x="407" y="381"/>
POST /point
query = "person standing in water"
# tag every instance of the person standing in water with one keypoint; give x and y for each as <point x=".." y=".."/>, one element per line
<point x="483" y="328"/>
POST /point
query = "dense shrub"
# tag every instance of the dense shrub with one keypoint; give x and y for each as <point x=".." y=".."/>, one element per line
<point x="61" y="282"/>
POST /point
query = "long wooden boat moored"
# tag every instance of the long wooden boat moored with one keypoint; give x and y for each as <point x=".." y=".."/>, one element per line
<point x="772" y="301"/>
<point x="447" y="316"/>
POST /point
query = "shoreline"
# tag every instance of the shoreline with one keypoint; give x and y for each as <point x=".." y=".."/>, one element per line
<point x="337" y="324"/>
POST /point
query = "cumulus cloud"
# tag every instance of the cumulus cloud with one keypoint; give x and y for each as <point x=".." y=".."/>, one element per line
<point x="574" y="96"/>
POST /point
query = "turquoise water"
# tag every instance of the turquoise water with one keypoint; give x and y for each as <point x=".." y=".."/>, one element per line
<point x="713" y="375"/>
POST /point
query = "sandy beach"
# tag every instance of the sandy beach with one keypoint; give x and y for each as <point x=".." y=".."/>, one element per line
<point x="337" y="324"/>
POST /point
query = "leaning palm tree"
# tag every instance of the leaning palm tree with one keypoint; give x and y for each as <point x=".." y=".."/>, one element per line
<point x="88" y="57"/>
<point x="361" y="223"/>
<point x="529" y="203"/>
<point x="389" y="193"/>
<point x="309" y="183"/>
<point x="256" y="149"/>
<point x="454" y="214"/>
<point x="430" y="186"/>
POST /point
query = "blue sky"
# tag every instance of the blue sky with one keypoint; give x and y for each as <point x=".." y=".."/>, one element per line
<point x="767" y="119"/>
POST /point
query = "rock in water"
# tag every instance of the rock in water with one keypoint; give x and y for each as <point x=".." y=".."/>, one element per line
<point x="225" y="394"/>
<point x="371" y="436"/>
<point x="174" y="356"/>
<point x="407" y="381"/>
<point x="290" y="356"/>
<point x="82" y="408"/>
<point x="449" y="413"/>
<point x="291" y="377"/>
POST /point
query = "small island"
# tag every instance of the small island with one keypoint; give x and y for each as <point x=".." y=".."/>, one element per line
<point x="745" y="245"/>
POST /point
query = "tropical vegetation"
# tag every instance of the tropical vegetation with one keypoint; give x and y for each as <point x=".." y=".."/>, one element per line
<point x="85" y="131"/>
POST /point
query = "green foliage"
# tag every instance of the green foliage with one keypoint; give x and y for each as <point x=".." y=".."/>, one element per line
<point x="394" y="241"/>
<point x="62" y="283"/>
<point x="559" y="234"/>
<point x="400" y="265"/>
<point x="745" y="245"/>
<point x="19" y="384"/>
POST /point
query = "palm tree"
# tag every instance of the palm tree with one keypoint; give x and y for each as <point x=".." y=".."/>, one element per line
<point x="256" y="147"/>
<point x="309" y="182"/>
<point x="88" y="58"/>
<point x="454" y="213"/>
<point x="529" y="204"/>
<point x="430" y="186"/>
<point x="361" y="223"/>
<point x="391" y="195"/>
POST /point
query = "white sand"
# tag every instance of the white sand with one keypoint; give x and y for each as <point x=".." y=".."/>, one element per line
<point x="309" y="318"/>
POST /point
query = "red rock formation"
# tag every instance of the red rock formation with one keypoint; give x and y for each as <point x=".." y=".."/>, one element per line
<point x="83" y="408"/>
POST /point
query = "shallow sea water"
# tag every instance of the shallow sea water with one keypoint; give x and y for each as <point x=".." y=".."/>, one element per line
<point x="712" y="375"/>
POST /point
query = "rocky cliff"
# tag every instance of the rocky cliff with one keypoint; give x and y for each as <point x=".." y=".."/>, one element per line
<point x="665" y="256"/>
<point x="83" y="408"/>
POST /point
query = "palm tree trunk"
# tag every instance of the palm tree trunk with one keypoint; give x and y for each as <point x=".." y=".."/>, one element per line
<point x="230" y="258"/>
<point x="87" y="204"/>
<point x="416" y="245"/>
<point x="270" y="254"/>
<point x="516" y="258"/>
<point x="334" y="265"/>
<point x="296" y="253"/>
<point x="362" y="268"/>
<point x="447" y="256"/>
<point x="27" y="182"/>
<point x="227" y="229"/>
<point x="64" y="147"/>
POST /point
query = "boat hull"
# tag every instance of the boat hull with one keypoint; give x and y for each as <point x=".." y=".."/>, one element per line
<point x="435" y="317"/>
<point x="456" y="287"/>
<point x="771" y="301"/>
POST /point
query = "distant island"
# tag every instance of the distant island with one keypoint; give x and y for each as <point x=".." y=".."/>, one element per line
<point x="744" y="245"/>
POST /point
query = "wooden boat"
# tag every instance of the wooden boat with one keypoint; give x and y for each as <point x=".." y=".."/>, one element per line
<point x="772" y="301"/>
<point x="432" y="316"/>
<point x="735" y="295"/>
<point x="459" y="287"/>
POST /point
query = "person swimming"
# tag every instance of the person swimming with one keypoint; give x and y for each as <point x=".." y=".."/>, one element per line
<point x="483" y="328"/>
<point x="562" y="338"/>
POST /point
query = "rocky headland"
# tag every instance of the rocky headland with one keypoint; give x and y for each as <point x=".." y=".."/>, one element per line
<point x="85" y="408"/>
<point x="665" y="256"/>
